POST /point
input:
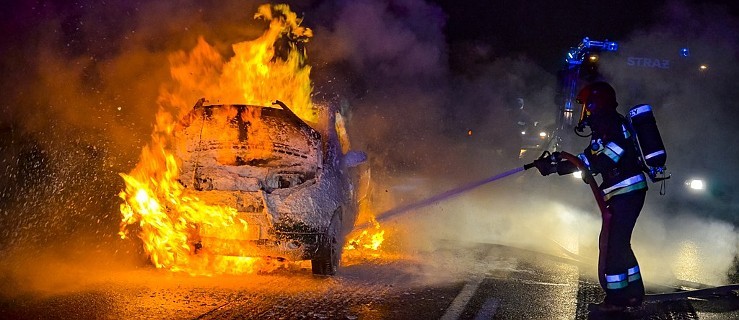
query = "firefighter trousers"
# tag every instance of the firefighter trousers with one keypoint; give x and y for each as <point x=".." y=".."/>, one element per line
<point x="623" y="283"/>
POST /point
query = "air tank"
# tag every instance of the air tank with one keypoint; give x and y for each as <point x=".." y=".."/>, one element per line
<point x="645" y="126"/>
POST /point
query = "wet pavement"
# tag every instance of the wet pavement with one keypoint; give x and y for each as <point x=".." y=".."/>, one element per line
<point x="451" y="281"/>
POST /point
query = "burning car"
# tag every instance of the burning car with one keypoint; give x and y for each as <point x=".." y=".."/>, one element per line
<point x="240" y="188"/>
<point x="288" y="182"/>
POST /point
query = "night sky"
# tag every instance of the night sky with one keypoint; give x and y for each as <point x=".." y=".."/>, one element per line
<point x="544" y="30"/>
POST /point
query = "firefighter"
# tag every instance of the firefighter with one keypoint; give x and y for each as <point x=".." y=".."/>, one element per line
<point x="613" y="155"/>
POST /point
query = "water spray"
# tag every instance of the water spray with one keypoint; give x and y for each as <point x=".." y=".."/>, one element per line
<point x="462" y="189"/>
<point x="443" y="196"/>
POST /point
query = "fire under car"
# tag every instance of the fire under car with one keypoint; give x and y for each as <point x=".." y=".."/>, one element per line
<point x="290" y="183"/>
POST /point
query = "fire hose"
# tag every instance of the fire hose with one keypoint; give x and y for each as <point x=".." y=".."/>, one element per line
<point x="587" y="176"/>
<point x="604" y="212"/>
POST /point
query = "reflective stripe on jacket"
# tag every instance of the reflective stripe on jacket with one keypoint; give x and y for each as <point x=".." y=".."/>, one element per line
<point x="636" y="182"/>
<point x="612" y="153"/>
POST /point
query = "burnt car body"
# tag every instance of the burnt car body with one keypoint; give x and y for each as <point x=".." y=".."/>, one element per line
<point x="289" y="182"/>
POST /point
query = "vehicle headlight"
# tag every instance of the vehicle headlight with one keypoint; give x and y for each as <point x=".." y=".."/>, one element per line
<point x="696" y="184"/>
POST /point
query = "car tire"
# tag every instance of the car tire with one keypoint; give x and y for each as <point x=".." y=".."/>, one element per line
<point x="327" y="258"/>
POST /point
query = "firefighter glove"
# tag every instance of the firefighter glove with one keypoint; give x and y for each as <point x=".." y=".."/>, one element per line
<point x="546" y="165"/>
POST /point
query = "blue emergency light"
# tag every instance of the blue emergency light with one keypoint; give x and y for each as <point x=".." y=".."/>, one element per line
<point x="576" y="55"/>
<point x="610" y="46"/>
<point x="685" y="52"/>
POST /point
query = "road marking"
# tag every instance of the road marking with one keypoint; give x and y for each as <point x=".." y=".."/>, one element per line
<point x="457" y="307"/>
<point x="488" y="309"/>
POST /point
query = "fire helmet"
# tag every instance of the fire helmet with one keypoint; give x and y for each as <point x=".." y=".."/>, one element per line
<point x="596" y="98"/>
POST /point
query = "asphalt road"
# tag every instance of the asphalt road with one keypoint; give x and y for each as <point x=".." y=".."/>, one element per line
<point x="451" y="281"/>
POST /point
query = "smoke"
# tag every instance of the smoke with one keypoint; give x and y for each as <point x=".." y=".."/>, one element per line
<point x="82" y="81"/>
<point x="390" y="61"/>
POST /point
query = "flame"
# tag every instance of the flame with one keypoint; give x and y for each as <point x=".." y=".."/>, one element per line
<point x="155" y="206"/>
<point x="367" y="239"/>
<point x="256" y="77"/>
<point x="271" y="67"/>
<point x="366" y="246"/>
<point x="366" y="242"/>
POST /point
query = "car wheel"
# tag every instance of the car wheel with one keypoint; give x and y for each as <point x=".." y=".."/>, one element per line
<point x="327" y="258"/>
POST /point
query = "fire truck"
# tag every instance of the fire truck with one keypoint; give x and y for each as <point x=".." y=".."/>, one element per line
<point x="679" y="84"/>
<point x="580" y="67"/>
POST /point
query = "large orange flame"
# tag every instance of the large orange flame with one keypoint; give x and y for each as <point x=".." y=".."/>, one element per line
<point x="155" y="206"/>
<point x="271" y="67"/>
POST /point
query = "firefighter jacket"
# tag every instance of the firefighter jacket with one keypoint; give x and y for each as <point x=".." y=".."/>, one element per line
<point x="612" y="153"/>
